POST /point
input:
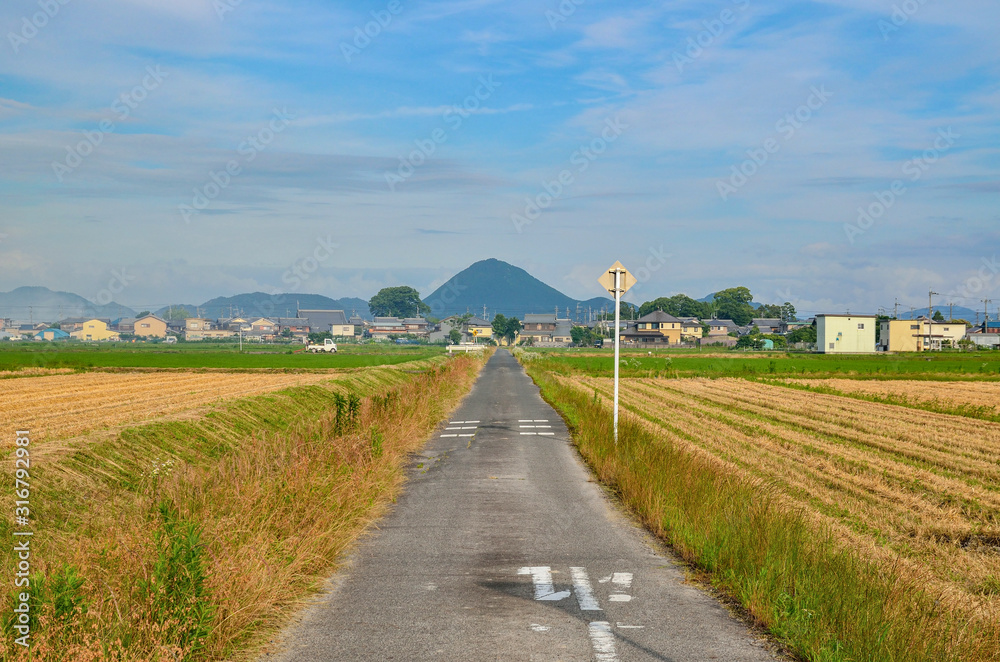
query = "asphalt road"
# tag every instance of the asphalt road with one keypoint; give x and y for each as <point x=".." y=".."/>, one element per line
<point x="501" y="548"/>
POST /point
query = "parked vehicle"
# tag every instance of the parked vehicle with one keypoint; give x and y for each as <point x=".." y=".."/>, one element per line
<point x="327" y="346"/>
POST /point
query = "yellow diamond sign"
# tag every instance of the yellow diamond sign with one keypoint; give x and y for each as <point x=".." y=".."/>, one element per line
<point x="625" y="280"/>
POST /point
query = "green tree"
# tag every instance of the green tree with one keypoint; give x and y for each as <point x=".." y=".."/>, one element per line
<point x="499" y="325"/>
<point x="582" y="335"/>
<point x="734" y="304"/>
<point x="788" y="312"/>
<point x="142" y="314"/>
<point x="402" y="301"/>
<point x="455" y="336"/>
<point x="679" y="305"/>
<point x="769" y="311"/>
<point x="753" y="341"/>
<point x="802" y="334"/>
<point x="506" y="328"/>
<point x="938" y="317"/>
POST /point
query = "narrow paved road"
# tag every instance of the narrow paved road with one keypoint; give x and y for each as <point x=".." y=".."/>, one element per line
<point x="502" y="549"/>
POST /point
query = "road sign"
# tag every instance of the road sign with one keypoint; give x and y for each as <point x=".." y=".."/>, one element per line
<point x="625" y="279"/>
<point x="617" y="280"/>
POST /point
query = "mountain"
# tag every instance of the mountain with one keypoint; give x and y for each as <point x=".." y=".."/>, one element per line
<point x="265" y="305"/>
<point x="505" y="289"/>
<point x="40" y="304"/>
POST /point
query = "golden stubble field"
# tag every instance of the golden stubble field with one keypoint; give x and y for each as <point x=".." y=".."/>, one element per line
<point x="60" y="405"/>
<point x="952" y="393"/>
<point x="909" y="486"/>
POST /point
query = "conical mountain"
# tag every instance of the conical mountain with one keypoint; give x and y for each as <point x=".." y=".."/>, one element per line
<point x="505" y="289"/>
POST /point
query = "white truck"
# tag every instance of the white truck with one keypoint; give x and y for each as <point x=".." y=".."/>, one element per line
<point x="327" y="346"/>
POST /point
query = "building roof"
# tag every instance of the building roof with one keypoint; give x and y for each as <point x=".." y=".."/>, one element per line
<point x="324" y="320"/>
<point x="155" y="317"/>
<point x="766" y="321"/>
<point x="848" y="315"/>
<point x="414" y="320"/>
<point x="540" y="318"/>
<point x="659" y="316"/>
<point x="690" y="320"/>
<point x="477" y="321"/>
<point x="293" y="321"/>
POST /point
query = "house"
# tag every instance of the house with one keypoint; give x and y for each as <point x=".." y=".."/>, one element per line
<point x="538" y="327"/>
<point x="691" y="328"/>
<point x="563" y="332"/>
<point x="359" y="324"/>
<point x="985" y="340"/>
<point x="71" y="324"/>
<point x="297" y="326"/>
<point x="199" y="328"/>
<point x="722" y="327"/>
<point x="416" y="326"/>
<point x="52" y="334"/>
<point x="29" y="330"/>
<point x="383" y="327"/>
<point x="845" y="334"/>
<point x="478" y="328"/>
<point x="770" y="325"/>
<point x="150" y="326"/>
<point x="95" y="330"/>
<point x="334" y="322"/>
<point x="656" y="327"/>
<point x="124" y="325"/>
<point x="919" y="335"/>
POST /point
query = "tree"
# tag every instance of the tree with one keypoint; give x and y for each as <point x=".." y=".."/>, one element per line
<point x="769" y="311"/>
<point x="788" y="312"/>
<point x="176" y="313"/>
<point x="455" y="336"/>
<point x="582" y="335"/>
<point x="805" y="334"/>
<point x="734" y="304"/>
<point x="142" y="314"/>
<point x="938" y="317"/>
<point x="506" y="328"/>
<point x="750" y="342"/>
<point x="679" y="305"/>
<point x="499" y="325"/>
<point x="402" y="301"/>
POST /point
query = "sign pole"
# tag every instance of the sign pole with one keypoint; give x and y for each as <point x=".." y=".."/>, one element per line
<point x="618" y="299"/>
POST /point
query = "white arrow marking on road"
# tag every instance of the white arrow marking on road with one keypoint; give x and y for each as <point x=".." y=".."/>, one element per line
<point x="542" y="577"/>
<point x="603" y="641"/>
<point x="584" y="591"/>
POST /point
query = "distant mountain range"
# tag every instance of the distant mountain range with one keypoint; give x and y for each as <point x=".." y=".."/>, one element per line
<point x="505" y="289"/>
<point x="261" y="304"/>
<point x="40" y="304"/>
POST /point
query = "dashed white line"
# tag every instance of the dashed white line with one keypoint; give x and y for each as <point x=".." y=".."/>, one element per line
<point x="466" y="435"/>
<point x="542" y="577"/>
<point x="620" y="597"/>
<point x="540" y="628"/>
<point x="448" y="435"/>
<point x="584" y="591"/>
<point x="548" y="434"/>
<point x="528" y="434"/>
<point x="603" y="641"/>
<point x="622" y="626"/>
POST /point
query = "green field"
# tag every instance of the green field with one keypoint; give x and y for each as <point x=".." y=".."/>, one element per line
<point x="671" y="363"/>
<point x="190" y="355"/>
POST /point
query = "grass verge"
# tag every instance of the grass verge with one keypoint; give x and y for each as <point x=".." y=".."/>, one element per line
<point x="825" y="602"/>
<point x="195" y="539"/>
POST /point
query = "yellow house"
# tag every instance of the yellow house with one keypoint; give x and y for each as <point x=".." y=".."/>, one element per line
<point x="95" y="329"/>
<point x="690" y="327"/>
<point x="479" y="328"/>
<point x="150" y="326"/>
<point x="845" y="334"/>
<point x="919" y="335"/>
<point x="656" y="327"/>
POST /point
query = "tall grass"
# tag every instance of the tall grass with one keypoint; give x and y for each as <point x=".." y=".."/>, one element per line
<point x="825" y="601"/>
<point x="196" y="539"/>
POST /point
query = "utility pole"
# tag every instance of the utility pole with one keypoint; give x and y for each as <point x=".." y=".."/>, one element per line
<point x="930" y="308"/>
<point x="951" y="311"/>
<point x="895" y="310"/>
<point x="986" y="314"/>
<point x="484" y="311"/>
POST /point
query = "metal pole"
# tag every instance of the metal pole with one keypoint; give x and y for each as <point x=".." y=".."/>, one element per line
<point x="618" y="298"/>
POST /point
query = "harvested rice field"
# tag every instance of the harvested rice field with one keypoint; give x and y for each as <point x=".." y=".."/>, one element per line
<point x="916" y="488"/>
<point x="955" y="394"/>
<point x="60" y="405"/>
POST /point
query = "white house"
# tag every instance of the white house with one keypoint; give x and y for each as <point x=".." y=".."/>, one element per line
<point x="845" y="334"/>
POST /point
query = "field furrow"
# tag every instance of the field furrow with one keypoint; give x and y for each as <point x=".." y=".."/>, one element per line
<point x="920" y="486"/>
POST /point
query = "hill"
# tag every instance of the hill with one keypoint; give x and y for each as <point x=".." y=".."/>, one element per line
<point x="40" y="304"/>
<point x="505" y="289"/>
<point x="265" y="305"/>
<point x="959" y="312"/>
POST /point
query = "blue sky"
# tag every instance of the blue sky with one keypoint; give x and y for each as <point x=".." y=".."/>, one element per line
<point x="261" y="145"/>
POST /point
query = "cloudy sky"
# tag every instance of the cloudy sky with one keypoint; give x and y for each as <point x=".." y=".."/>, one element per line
<point x="838" y="155"/>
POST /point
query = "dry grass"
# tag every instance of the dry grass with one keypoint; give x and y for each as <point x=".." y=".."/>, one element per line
<point x="952" y="394"/>
<point x="274" y="506"/>
<point x="905" y="485"/>
<point x="60" y="405"/>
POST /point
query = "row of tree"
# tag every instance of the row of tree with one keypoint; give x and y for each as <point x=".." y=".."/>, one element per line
<point x="733" y="304"/>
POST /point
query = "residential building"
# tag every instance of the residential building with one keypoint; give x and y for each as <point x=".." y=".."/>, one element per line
<point x="383" y="327"/>
<point x="539" y="327"/>
<point x="722" y="327"/>
<point x="297" y="326"/>
<point x="691" y="328"/>
<point x="199" y="328"/>
<point x="124" y="325"/>
<point x="656" y="327"/>
<point x="96" y="330"/>
<point x="71" y="324"/>
<point x="478" y="328"/>
<point x="985" y="340"/>
<point x="770" y="325"/>
<point x="334" y="322"/>
<point x="52" y="334"/>
<point x="919" y="335"/>
<point x="150" y="326"/>
<point x="845" y="334"/>
<point x="416" y="326"/>
<point x="359" y="324"/>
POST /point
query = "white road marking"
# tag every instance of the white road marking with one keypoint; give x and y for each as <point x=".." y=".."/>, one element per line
<point x="472" y="421"/>
<point x="622" y="626"/>
<point x="541" y="420"/>
<point x="528" y="433"/>
<point x="469" y="427"/>
<point x="622" y="582"/>
<point x="466" y="435"/>
<point x="549" y="434"/>
<point x="456" y="422"/>
<point x="603" y="641"/>
<point x="454" y="428"/>
<point x="532" y="427"/>
<point x="449" y="435"/>
<point x="620" y="597"/>
<point x="524" y="420"/>
<point x="540" y="628"/>
<point x="542" y="577"/>
<point x="584" y="591"/>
